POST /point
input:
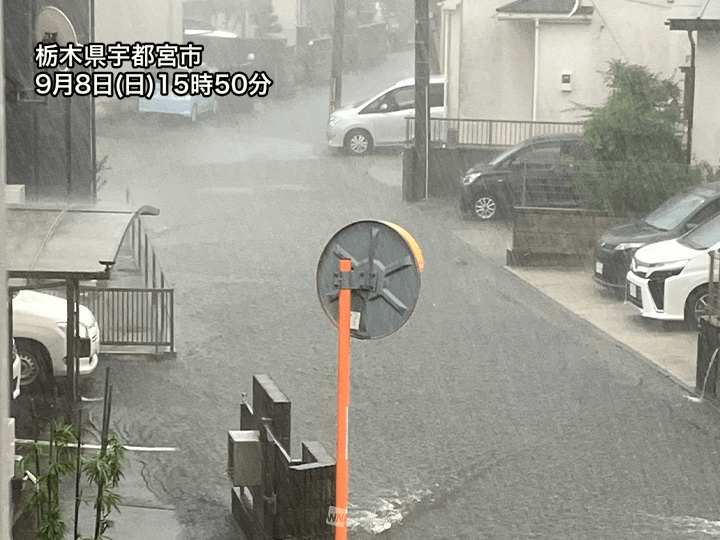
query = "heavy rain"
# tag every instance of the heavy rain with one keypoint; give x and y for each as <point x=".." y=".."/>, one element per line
<point x="555" y="376"/>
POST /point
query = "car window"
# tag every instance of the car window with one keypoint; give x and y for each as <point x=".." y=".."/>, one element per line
<point x="437" y="95"/>
<point x="703" y="237"/>
<point x="573" y="149"/>
<point x="705" y="213"/>
<point x="507" y="155"/>
<point x="544" y="155"/>
<point x="402" y="99"/>
<point x="674" y="211"/>
<point x="374" y="107"/>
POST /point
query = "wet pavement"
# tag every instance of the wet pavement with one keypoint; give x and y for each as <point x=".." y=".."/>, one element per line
<point x="493" y="413"/>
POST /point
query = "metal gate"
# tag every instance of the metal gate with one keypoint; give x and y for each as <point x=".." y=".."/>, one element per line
<point x="127" y="316"/>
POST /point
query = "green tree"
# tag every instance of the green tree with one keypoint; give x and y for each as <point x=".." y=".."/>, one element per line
<point x="638" y="121"/>
<point x="636" y="156"/>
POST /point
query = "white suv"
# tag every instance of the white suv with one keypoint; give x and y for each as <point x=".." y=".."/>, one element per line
<point x="39" y="329"/>
<point x="380" y="121"/>
<point x="668" y="280"/>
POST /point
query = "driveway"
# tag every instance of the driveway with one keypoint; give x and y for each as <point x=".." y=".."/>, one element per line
<point x="672" y="347"/>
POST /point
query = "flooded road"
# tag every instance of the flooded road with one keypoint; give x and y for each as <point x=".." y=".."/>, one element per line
<point x="491" y="414"/>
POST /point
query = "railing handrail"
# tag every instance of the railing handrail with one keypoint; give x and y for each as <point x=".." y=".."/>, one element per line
<point x="488" y="133"/>
<point x="473" y="120"/>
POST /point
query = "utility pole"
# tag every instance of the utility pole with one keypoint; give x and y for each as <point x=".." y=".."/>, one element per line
<point x="422" y="106"/>
<point x="337" y="56"/>
<point x="7" y="435"/>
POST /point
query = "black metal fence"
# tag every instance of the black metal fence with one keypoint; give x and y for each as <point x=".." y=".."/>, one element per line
<point x="127" y="316"/>
<point x="488" y="133"/>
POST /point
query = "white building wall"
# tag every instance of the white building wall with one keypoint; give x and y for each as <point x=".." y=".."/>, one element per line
<point x="497" y="59"/>
<point x="146" y="21"/>
<point x="706" y="122"/>
<point x="450" y="55"/>
<point x="496" y="65"/>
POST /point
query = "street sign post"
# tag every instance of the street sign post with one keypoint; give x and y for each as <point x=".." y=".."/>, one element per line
<point x="368" y="281"/>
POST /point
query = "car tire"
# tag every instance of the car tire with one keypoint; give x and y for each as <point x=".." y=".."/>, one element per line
<point x="696" y="305"/>
<point x="35" y="371"/>
<point x="194" y="114"/>
<point x="358" y="142"/>
<point x="485" y="207"/>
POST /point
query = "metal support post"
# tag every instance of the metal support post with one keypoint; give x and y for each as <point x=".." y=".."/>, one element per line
<point x="422" y="105"/>
<point x="337" y="56"/>
<point x="342" y="466"/>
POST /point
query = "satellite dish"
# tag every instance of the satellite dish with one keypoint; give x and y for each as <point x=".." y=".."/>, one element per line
<point x="53" y="26"/>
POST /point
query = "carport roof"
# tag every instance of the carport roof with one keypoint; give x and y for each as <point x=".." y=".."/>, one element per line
<point x="52" y="243"/>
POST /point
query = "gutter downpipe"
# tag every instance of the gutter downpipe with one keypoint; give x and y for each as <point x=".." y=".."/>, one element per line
<point x="690" y="104"/>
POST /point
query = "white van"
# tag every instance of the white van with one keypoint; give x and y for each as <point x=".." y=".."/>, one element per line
<point x="380" y="121"/>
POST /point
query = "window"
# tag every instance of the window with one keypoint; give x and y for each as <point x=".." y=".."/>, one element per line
<point x="540" y="155"/>
<point x="437" y="95"/>
<point x="705" y="213"/>
<point x="402" y="99"/>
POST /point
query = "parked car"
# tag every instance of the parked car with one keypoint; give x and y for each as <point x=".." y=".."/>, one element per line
<point x="39" y="324"/>
<point x="537" y="172"/>
<point x="187" y="105"/>
<point x="380" y="121"/>
<point x="681" y="213"/>
<point x="668" y="280"/>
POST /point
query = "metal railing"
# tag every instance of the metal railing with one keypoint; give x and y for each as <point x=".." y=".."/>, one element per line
<point x="144" y="256"/>
<point x="128" y="316"/>
<point x="488" y="133"/>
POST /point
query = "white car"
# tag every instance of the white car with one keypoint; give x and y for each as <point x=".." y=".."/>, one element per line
<point x="39" y="324"/>
<point x="380" y="121"/>
<point x="668" y="280"/>
<point x="187" y="105"/>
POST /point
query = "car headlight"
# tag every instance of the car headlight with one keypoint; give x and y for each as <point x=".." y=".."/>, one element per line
<point x="673" y="267"/>
<point x="470" y="178"/>
<point x="629" y="245"/>
<point x="333" y="121"/>
<point x="84" y="330"/>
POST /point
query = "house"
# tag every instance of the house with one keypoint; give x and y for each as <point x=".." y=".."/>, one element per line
<point x="700" y="21"/>
<point x="543" y="60"/>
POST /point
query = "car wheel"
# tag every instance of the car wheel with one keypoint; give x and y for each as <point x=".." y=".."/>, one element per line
<point x="485" y="207"/>
<point x="358" y="142"/>
<point x="194" y="114"/>
<point x="696" y="305"/>
<point x="34" y="371"/>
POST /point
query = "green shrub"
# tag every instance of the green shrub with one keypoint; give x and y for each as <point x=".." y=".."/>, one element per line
<point x="636" y="158"/>
<point x="633" y="188"/>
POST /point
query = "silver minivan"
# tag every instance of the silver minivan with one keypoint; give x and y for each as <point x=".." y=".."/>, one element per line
<point x="380" y="120"/>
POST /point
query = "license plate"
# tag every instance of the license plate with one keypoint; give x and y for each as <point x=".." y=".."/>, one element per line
<point x="598" y="267"/>
<point x="632" y="289"/>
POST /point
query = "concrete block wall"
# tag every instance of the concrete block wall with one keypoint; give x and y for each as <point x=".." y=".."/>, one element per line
<point x="295" y="494"/>
<point x="557" y="236"/>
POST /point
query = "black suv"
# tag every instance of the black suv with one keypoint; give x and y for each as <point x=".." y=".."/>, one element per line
<point x="537" y="172"/>
<point x="679" y="214"/>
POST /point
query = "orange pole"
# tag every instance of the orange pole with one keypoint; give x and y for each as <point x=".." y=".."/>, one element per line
<point x="342" y="467"/>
